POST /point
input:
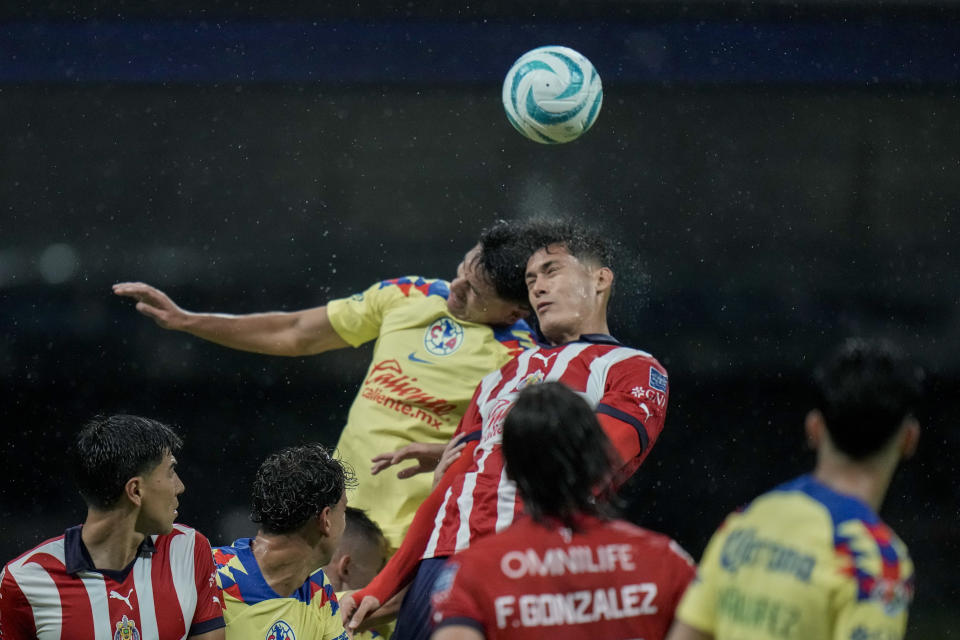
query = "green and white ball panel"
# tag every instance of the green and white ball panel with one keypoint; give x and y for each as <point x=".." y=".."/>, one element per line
<point x="552" y="94"/>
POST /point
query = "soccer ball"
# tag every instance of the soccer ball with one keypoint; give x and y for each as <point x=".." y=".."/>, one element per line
<point x="552" y="94"/>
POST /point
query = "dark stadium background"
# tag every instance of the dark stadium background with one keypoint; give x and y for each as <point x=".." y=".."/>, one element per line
<point x="782" y="175"/>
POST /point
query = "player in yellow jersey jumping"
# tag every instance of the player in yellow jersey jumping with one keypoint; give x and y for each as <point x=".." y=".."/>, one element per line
<point x="811" y="559"/>
<point x="435" y="340"/>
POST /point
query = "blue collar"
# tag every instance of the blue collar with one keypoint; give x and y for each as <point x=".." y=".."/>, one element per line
<point x="78" y="559"/>
<point x="592" y="338"/>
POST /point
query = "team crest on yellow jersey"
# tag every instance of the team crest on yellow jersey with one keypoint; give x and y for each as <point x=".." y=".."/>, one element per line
<point x="443" y="337"/>
<point x="126" y="630"/>
<point x="280" y="631"/>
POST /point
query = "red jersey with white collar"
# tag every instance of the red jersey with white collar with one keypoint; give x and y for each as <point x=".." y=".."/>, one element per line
<point x="168" y="592"/>
<point x="627" y="388"/>
<point x="609" y="579"/>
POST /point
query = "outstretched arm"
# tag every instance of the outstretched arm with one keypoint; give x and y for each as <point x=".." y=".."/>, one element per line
<point x="297" y="333"/>
<point x="401" y="568"/>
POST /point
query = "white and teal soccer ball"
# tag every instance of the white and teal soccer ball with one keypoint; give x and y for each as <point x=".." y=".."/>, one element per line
<point x="552" y="94"/>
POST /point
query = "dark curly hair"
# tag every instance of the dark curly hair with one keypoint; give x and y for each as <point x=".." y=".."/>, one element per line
<point x="584" y="243"/>
<point x="295" y="484"/>
<point x="557" y="453"/>
<point x="502" y="260"/>
<point x="866" y="390"/>
<point x="110" y="450"/>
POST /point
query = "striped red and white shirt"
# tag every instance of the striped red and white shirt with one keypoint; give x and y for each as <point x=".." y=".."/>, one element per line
<point x="53" y="591"/>
<point x="627" y="388"/>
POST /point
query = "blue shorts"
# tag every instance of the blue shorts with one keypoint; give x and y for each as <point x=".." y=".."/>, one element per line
<point x="414" y="619"/>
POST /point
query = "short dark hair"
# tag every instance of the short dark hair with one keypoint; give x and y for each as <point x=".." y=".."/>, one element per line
<point x="296" y="483"/>
<point x="502" y="259"/>
<point x="361" y="528"/>
<point x="110" y="450"/>
<point x="866" y="390"/>
<point x="582" y="242"/>
<point x="557" y="453"/>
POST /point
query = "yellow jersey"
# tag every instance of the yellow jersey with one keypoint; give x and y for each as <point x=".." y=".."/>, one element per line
<point x="426" y="365"/>
<point x="802" y="562"/>
<point x="253" y="610"/>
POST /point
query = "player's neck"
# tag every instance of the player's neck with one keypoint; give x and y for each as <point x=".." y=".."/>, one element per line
<point x="867" y="480"/>
<point x="594" y="326"/>
<point x="110" y="539"/>
<point x="286" y="561"/>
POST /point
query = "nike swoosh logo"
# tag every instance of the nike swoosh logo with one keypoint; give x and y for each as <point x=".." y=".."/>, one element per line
<point x="416" y="359"/>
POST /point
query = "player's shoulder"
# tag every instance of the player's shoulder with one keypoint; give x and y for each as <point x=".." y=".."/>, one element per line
<point x="51" y="546"/>
<point x="651" y="542"/>
<point x="413" y="287"/>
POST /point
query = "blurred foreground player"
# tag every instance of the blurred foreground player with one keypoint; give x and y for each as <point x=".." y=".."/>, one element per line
<point x="565" y="569"/>
<point x="128" y="571"/>
<point x="362" y="552"/>
<point x="569" y="284"/>
<point x="811" y="559"/>
<point x="273" y="586"/>
<point x="434" y="341"/>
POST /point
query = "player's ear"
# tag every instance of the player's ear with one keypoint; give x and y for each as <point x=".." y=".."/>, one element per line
<point x="344" y="566"/>
<point x="604" y="279"/>
<point x="814" y="426"/>
<point x="133" y="490"/>
<point x="910" y="438"/>
<point x="324" y="521"/>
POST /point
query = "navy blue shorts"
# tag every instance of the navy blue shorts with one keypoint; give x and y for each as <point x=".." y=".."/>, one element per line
<point x="413" y="620"/>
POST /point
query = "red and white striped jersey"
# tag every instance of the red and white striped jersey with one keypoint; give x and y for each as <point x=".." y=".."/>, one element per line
<point x="53" y="591"/>
<point x="626" y="387"/>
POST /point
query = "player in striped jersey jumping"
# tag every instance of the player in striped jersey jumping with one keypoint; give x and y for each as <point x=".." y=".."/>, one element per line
<point x="128" y="571"/>
<point x="569" y="282"/>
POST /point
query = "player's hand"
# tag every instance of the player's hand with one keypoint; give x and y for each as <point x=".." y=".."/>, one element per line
<point x="352" y="615"/>
<point x="450" y="453"/>
<point x="153" y="303"/>
<point x="427" y="455"/>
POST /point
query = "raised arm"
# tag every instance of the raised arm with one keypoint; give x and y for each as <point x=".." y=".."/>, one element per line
<point x="296" y="333"/>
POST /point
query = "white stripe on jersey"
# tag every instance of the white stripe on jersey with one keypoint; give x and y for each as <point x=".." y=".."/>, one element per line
<point x="465" y="503"/>
<point x="566" y="354"/>
<point x="143" y="583"/>
<point x="597" y="380"/>
<point x="96" y="588"/>
<point x="184" y="573"/>
<point x="506" y="503"/>
<point x="437" y="525"/>
<point x="41" y="591"/>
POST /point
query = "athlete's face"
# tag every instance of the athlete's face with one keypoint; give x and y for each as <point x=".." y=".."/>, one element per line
<point x="566" y="294"/>
<point x="159" y="489"/>
<point x="473" y="298"/>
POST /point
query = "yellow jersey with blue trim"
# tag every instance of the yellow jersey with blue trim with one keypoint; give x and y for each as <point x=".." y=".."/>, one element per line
<point x="253" y="610"/>
<point x="426" y="365"/>
<point x="799" y="562"/>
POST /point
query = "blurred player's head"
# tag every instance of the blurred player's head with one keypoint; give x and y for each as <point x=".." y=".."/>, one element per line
<point x="489" y="287"/>
<point x="362" y="553"/>
<point x="557" y="453"/>
<point x="868" y="393"/>
<point x="301" y="485"/>
<point x="130" y="460"/>
<point x="568" y="277"/>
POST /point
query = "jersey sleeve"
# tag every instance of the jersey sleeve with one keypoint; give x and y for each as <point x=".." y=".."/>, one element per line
<point x="876" y="605"/>
<point x="209" y="612"/>
<point x="16" y="616"/>
<point x="456" y="598"/>
<point x="357" y="319"/>
<point x="633" y="409"/>
<point x="403" y="565"/>
<point x="333" y="625"/>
